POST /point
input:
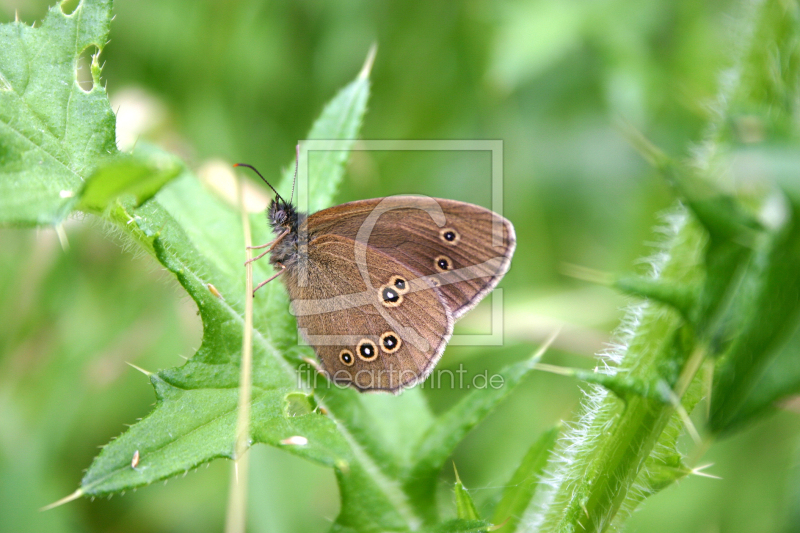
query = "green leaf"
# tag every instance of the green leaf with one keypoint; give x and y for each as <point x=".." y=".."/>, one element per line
<point x="437" y="444"/>
<point x="58" y="153"/>
<point x="340" y="120"/>
<point x="520" y="489"/>
<point x="731" y="232"/>
<point x="187" y="428"/>
<point x="458" y="525"/>
<point x="664" y="466"/>
<point x="760" y="389"/>
<point x="780" y="379"/>
<point x="746" y="278"/>
<point x="194" y="236"/>
<point x="52" y="133"/>
<point x="140" y="177"/>
<point x="677" y="296"/>
<point x="375" y="421"/>
<point x="764" y="314"/>
<point x="465" y="508"/>
<point x="200" y="398"/>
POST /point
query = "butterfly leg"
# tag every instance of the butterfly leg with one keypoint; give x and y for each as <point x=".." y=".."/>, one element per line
<point x="270" y="278"/>
<point x="262" y="246"/>
<point x="271" y="245"/>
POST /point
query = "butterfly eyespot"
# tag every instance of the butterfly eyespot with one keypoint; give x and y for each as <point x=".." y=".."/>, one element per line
<point x="346" y="357"/>
<point x="442" y="263"/>
<point x="449" y="236"/>
<point x="391" y="297"/>
<point x="390" y="342"/>
<point x="399" y="283"/>
<point x="367" y="351"/>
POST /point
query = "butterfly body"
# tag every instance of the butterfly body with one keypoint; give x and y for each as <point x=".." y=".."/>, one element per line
<point x="284" y="219"/>
<point x="376" y="285"/>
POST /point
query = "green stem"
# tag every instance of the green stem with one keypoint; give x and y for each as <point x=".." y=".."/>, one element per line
<point x="607" y="454"/>
<point x="630" y="444"/>
<point x="601" y="470"/>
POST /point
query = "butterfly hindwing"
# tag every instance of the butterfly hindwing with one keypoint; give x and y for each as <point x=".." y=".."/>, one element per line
<point x="374" y="322"/>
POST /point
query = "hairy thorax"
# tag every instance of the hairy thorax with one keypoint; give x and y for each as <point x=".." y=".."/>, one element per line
<point x="288" y="225"/>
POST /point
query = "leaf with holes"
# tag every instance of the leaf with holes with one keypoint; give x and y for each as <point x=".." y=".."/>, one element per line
<point x="53" y="134"/>
<point x="193" y="234"/>
<point x="58" y="153"/>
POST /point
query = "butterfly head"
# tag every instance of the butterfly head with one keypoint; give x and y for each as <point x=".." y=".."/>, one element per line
<point x="282" y="215"/>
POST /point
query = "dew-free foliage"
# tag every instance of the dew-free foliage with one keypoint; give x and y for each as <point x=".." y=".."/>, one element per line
<point x="193" y="235"/>
<point x="720" y="306"/>
<point x="53" y="133"/>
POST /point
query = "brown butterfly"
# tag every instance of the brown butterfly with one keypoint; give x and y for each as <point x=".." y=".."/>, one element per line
<point x="376" y="285"/>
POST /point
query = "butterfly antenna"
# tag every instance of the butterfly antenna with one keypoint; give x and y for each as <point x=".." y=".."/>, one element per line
<point x="251" y="167"/>
<point x="296" y="164"/>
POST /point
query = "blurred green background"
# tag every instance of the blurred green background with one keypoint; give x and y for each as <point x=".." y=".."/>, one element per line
<point x="242" y="80"/>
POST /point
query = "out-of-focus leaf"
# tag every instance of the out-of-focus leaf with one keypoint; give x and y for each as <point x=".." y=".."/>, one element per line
<point x="521" y="488"/>
<point x="340" y="121"/>
<point x="781" y="375"/>
<point x="438" y="443"/>
<point x="459" y="526"/>
<point x="465" y="507"/>
<point x="138" y="177"/>
<point x="53" y="134"/>
<point x="538" y="34"/>
<point x="731" y="233"/>
<point x="764" y="311"/>
<point x="764" y="314"/>
<point x="780" y="379"/>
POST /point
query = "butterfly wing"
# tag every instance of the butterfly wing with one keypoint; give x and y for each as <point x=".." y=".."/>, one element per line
<point x="374" y="323"/>
<point x="463" y="248"/>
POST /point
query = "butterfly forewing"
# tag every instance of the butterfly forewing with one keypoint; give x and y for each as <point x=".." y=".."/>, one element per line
<point x="463" y="248"/>
<point x="375" y="322"/>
